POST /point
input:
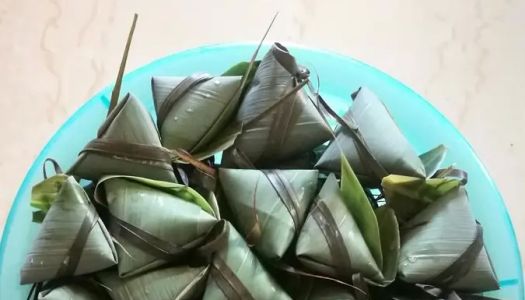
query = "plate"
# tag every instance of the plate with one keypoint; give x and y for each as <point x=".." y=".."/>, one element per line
<point x="423" y="125"/>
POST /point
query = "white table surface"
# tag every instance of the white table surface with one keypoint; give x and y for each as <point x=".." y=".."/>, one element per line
<point x="466" y="57"/>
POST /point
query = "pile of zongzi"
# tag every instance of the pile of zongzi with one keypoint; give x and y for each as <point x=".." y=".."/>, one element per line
<point x="295" y="209"/>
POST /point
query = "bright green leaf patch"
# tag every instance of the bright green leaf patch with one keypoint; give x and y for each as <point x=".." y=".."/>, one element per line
<point x="409" y="195"/>
<point x="358" y="204"/>
<point x="44" y="194"/>
<point x="390" y="241"/>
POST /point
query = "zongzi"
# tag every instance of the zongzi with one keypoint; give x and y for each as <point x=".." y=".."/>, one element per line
<point x="443" y="246"/>
<point x="274" y="200"/>
<point x="342" y="235"/>
<point x="72" y="240"/>
<point x="331" y="242"/>
<point x="382" y="136"/>
<point x="193" y="110"/>
<point x="128" y="144"/>
<point x="236" y="273"/>
<point x="279" y="121"/>
<point x="146" y="215"/>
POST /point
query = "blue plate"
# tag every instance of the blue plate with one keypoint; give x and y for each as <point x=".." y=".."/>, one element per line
<point x="424" y="126"/>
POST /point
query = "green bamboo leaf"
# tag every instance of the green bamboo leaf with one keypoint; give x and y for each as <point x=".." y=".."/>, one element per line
<point x="358" y="204"/>
<point x="433" y="159"/>
<point x="390" y="242"/>
<point x="409" y="195"/>
<point x="240" y="69"/>
<point x="427" y="190"/>
<point x="45" y="192"/>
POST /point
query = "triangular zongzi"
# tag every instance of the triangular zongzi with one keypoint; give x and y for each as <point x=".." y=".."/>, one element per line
<point x="331" y="242"/>
<point x="193" y="110"/>
<point x="147" y="214"/>
<point x="275" y="199"/>
<point x="181" y="282"/>
<point x="236" y="273"/>
<point x="381" y="134"/>
<point x="279" y="121"/>
<point x="443" y="246"/>
<point x="72" y="240"/>
<point x="343" y="236"/>
<point x="127" y="144"/>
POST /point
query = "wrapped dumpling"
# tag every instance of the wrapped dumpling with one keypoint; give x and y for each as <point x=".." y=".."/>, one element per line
<point x="443" y="246"/>
<point x="275" y="126"/>
<point x="181" y="282"/>
<point x="236" y="273"/>
<point x="342" y="235"/>
<point x="168" y="214"/>
<point x="72" y="239"/>
<point x="381" y="134"/>
<point x="331" y="242"/>
<point x="281" y="199"/>
<point x="127" y="144"/>
<point x="192" y="111"/>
